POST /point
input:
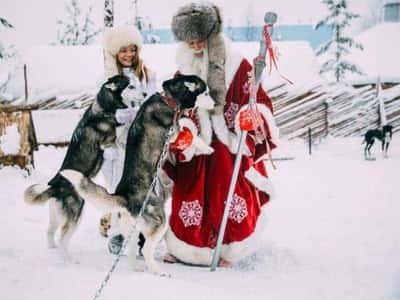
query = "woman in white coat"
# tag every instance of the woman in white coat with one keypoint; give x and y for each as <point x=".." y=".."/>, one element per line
<point x="122" y="47"/>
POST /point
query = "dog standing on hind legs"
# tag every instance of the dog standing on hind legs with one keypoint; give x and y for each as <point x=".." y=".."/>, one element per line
<point x="384" y="135"/>
<point x="94" y="132"/>
<point x="145" y="144"/>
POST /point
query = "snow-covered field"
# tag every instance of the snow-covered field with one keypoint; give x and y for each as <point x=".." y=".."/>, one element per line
<point x="333" y="234"/>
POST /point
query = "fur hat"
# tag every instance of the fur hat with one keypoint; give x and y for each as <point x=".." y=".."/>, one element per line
<point x="196" y="21"/>
<point x="115" y="38"/>
<point x="203" y="21"/>
<point x="122" y="36"/>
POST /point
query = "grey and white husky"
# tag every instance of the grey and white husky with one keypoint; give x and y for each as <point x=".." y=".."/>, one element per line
<point x="94" y="132"/>
<point x="145" y="143"/>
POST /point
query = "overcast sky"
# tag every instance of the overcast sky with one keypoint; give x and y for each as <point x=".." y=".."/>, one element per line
<point x="35" y="21"/>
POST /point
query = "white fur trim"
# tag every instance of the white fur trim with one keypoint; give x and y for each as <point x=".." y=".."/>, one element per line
<point x="266" y="113"/>
<point x="228" y="138"/>
<point x="186" y="122"/>
<point x="233" y="60"/>
<point x="232" y="252"/>
<point x="205" y="125"/>
<point x="199" y="146"/>
<point x="260" y="182"/>
<point x="190" y="151"/>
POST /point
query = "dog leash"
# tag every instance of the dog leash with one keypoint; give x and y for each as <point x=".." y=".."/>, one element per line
<point x="146" y="200"/>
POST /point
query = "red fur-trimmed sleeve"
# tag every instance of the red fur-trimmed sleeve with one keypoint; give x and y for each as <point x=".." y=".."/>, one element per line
<point x="239" y="93"/>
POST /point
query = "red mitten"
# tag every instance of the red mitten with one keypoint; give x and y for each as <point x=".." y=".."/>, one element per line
<point x="249" y="120"/>
<point x="182" y="141"/>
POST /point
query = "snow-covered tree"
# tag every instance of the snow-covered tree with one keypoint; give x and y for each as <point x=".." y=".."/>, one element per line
<point x="8" y="64"/>
<point x="5" y="23"/>
<point x="78" y="27"/>
<point x="6" y="51"/>
<point x="108" y="13"/>
<point x="338" y="19"/>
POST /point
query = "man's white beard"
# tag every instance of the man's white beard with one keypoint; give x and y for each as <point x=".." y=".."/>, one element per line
<point x="200" y="64"/>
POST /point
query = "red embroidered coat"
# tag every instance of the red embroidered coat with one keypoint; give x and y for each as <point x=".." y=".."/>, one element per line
<point x="201" y="182"/>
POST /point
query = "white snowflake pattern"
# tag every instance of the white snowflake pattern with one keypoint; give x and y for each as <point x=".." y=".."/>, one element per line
<point x="230" y="114"/>
<point x="238" y="210"/>
<point x="191" y="213"/>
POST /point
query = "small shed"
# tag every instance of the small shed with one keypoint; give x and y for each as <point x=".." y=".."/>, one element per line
<point x="17" y="136"/>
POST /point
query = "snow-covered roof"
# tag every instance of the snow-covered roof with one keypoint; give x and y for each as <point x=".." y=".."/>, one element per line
<point x="380" y="56"/>
<point x="60" y="70"/>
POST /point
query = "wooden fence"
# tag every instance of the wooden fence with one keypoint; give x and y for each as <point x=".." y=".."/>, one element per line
<point x="333" y="109"/>
<point x="21" y="117"/>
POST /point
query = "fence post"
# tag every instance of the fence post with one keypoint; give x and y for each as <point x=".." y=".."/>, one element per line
<point x="326" y="118"/>
<point x="309" y="141"/>
<point x="26" y="84"/>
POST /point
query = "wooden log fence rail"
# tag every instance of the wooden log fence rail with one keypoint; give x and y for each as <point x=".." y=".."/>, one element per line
<point x="339" y="110"/>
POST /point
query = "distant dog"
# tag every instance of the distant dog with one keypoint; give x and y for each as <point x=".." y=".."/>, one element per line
<point x="384" y="135"/>
<point x="146" y="139"/>
<point x="94" y="132"/>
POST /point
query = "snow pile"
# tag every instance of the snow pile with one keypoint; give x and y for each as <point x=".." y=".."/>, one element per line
<point x="57" y="70"/>
<point x="9" y="141"/>
<point x="380" y="55"/>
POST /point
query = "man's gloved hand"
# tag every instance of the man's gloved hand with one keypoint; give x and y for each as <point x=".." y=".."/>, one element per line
<point x="249" y="120"/>
<point x="183" y="140"/>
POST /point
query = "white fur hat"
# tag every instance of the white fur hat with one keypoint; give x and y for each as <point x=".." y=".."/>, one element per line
<point x="122" y="36"/>
<point x="115" y="38"/>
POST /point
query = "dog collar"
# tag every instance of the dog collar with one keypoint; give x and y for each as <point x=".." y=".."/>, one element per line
<point x="171" y="102"/>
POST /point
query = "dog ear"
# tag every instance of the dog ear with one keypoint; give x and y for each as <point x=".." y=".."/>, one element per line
<point x="111" y="86"/>
<point x="191" y="86"/>
<point x="200" y="85"/>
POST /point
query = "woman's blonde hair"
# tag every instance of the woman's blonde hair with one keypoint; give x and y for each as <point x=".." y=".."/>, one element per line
<point x="138" y="66"/>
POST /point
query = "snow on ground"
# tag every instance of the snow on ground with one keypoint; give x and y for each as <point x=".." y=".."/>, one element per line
<point x="333" y="234"/>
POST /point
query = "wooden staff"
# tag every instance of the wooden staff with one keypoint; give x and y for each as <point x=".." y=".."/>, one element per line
<point x="259" y="65"/>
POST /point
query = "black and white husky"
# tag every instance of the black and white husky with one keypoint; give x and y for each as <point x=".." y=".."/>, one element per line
<point x="94" y="132"/>
<point x="145" y="143"/>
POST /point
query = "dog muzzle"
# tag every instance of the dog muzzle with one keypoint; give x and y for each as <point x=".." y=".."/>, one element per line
<point x="205" y="101"/>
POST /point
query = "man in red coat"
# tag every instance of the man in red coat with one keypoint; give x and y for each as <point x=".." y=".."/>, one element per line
<point x="200" y="181"/>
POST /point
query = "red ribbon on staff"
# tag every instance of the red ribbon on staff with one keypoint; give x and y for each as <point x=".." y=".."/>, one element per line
<point x="271" y="53"/>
